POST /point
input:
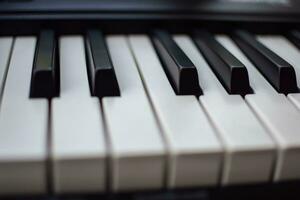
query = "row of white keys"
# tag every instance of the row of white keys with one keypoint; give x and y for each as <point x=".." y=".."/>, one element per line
<point x="195" y="150"/>
<point x="78" y="140"/>
<point x="249" y="150"/>
<point x="277" y="114"/>
<point x="24" y="126"/>
<point x="137" y="146"/>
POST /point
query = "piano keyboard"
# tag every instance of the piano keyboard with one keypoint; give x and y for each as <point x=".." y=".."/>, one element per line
<point x="102" y="113"/>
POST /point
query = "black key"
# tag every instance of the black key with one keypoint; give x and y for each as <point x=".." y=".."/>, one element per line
<point x="180" y="70"/>
<point x="45" y="74"/>
<point x="229" y="70"/>
<point x="103" y="81"/>
<point x="294" y="37"/>
<point x="280" y="74"/>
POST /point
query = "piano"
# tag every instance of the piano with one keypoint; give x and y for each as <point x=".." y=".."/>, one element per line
<point x="149" y="99"/>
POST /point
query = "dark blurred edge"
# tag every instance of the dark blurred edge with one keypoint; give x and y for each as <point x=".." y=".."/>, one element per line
<point x="140" y="16"/>
<point x="274" y="191"/>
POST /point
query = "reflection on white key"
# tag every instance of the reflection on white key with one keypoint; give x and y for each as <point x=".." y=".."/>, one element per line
<point x="138" y="158"/>
<point x="24" y="124"/>
<point x="249" y="150"/>
<point x="5" y="51"/>
<point x="194" y="147"/>
<point x="78" y="145"/>
<point x="277" y="114"/>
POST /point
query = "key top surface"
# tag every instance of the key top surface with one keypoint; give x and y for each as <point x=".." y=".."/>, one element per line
<point x="138" y="149"/>
<point x="24" y="124"/>
<point x="78" y="138"/>
<point x="6" y="44"/>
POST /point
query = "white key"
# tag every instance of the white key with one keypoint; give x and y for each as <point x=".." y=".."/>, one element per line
<point x="138" y="158"/>
<point x="24" y="124"/>
<point x="78" y="143"/>
<point x="194" y="147"/>
<point x="277" y="114"/>
<point x="249" y="150"/>
<point x="5" y="52"/>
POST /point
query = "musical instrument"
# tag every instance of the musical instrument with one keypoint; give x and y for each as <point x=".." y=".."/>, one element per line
<point x="150" y="99"/>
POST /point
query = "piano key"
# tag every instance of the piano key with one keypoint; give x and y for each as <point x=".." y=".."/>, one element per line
<point x="289" y="52"/>
<point x="234" y="122"/>
<point x="24" y="124"/>
<point x="103" y="80"/>
<point x="229" y="70"/>
<point x="280" y="74"/>
<point x="278" y="116"/>
<point x="44" y="78"/>
<point x="194" y="147"/>
<point x="180" y="70"/>
<point x="138" y="149"/>
<point x="78" y="141"/>
<point x="6" y="44"/>
<point x="294" y="37"/>
<point x="283" y="48"/>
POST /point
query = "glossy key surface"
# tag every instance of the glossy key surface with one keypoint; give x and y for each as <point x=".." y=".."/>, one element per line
<point x="45" y="75"/>
<point x="178" y="67"/>
<point x="24" y="127"/>
<point x="103" y="81"/>
<point x="230" y="71"/>
<point x="195" y="152"/>
<point x="280" y="74"/>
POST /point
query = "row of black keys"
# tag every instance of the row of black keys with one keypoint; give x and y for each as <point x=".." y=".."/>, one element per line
<point x="180" y="70"/>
